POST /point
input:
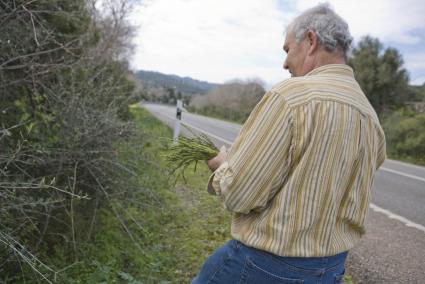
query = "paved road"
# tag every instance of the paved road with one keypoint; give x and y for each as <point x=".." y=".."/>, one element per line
<point x="393" y="248"/>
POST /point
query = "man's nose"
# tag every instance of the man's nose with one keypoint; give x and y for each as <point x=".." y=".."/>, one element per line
<point x="285" y="65"/>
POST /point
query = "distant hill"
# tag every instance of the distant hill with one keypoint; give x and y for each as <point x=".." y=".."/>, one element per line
<point x="185" y="85"/>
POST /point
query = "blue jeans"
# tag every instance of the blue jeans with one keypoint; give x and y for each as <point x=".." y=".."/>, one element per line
<point x="236" y="263"/>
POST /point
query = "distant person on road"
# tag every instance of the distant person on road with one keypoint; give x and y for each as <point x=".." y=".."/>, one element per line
<point x="298" y="178"/>
<point x="179" y="113"/>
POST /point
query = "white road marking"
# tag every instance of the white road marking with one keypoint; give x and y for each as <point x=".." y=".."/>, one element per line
<point x="402" y="174"/>
<point x="391" y="215"/>
<point x="208" y="133"/>
<point x="374" y="207"/>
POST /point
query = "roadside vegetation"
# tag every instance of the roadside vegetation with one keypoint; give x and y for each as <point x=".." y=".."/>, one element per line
<point x="400" y="107"/>
<point x="174" y="227"/>
<point x="64" y="89"/>
<point x="164" y="233"/>
<point x="233" y="101"/>
<point x="189" y="225"/>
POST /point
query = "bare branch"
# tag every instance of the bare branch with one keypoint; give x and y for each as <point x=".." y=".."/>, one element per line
<point x="33" y="26"/>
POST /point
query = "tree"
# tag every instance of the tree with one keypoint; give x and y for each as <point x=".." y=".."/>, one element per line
<point x="233" y="101"/>
<point x="405" y="133"/>
<point x="380" y="74"/>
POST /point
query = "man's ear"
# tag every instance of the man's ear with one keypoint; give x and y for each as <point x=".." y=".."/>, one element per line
<point x="312" y="41"/>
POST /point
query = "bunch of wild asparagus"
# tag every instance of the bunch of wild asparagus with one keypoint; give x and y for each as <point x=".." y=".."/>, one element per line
<point x="188" y="151"/>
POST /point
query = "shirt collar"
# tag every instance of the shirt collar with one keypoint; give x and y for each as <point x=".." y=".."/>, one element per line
<point x="332" y="69"/>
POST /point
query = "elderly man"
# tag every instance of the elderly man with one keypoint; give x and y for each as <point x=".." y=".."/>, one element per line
<point x="298" y="177"/>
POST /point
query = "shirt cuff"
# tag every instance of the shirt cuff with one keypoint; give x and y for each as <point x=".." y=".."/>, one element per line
<point x="214" y="180"/>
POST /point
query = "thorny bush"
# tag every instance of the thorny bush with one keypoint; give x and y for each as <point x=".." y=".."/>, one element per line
<point x="64" y="96"/>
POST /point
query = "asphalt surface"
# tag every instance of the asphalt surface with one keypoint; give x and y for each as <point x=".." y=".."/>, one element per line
<point x="393" y="249"/>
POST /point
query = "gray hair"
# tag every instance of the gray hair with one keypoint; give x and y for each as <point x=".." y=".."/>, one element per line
<point x="332" y="31"/>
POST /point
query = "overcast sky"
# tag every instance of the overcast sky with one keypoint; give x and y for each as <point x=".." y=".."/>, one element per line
<point x="220" y="40"/>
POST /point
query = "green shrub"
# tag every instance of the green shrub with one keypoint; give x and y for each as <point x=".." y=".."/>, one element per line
<point x="405" y="134"/>
<point x="64" y="93"/>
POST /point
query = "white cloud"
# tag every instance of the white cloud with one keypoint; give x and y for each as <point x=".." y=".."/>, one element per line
<point x="213" y="40"/>
<point x="415" y="61"/>
<point x="217" y="40"/>
<point x="418" y="81"/>
<point x="415" y="64"/>
<point x="389" y="20"/>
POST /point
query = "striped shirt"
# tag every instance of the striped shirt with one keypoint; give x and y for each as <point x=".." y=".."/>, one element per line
<point x="298" y="177"/>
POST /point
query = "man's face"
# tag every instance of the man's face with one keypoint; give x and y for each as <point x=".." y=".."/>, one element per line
<point x="296" y="56"/>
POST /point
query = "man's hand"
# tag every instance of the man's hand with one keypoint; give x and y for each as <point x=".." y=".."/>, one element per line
<point x="216" y="162"/>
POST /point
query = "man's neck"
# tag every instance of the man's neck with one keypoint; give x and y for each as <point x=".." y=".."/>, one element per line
<point x="325" y="58"/>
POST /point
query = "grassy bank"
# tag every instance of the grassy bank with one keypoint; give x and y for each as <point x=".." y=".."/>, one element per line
<point x="162" y="236"/>
<point x="188" y="225"/>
